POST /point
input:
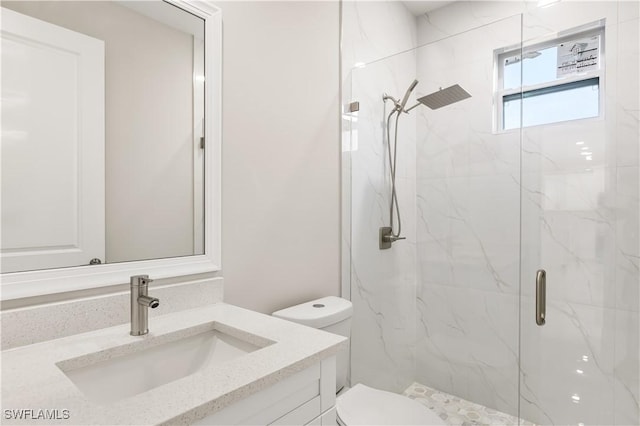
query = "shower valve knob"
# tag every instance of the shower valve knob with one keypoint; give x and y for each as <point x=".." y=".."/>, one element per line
<point x="387" y="238"/>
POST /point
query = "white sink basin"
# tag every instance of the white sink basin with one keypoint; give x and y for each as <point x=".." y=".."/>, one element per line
<point x="133" y="369"/>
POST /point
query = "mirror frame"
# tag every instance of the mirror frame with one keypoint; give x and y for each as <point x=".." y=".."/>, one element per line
<point x="18" y="285"/>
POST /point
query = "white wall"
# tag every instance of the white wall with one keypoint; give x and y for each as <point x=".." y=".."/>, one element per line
<point x="281" y="153"/>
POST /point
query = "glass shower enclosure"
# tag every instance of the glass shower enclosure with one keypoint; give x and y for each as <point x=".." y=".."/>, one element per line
<point x="495" y="197"/>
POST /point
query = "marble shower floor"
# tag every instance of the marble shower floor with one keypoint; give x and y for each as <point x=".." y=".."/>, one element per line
<point x="460" y="412"/>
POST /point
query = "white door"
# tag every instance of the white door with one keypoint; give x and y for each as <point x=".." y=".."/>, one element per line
<point x="52" y="145"/>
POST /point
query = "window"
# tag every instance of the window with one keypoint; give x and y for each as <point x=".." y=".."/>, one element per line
<point x="561" y="80"/>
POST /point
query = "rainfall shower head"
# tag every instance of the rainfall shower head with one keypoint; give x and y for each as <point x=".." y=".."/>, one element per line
<point x="444" y="97"/>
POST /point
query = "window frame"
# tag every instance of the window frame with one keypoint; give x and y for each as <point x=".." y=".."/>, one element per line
<point x="554" y="86"/>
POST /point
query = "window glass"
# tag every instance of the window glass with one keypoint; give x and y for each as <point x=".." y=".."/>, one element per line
<point x="511" y="72"/>
<point x="554" y="81"/>
<point x="552" y="106"/>
<point x="540" y="66"/>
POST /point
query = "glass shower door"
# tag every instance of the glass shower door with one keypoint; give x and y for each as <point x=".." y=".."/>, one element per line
<point x="579" y="224"/>
<point x="439" y="309"/>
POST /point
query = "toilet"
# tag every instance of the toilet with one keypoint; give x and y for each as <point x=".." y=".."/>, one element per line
<point x="359" y="405"/>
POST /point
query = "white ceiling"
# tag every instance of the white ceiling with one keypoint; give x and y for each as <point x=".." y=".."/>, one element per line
<point x="420" y="7"/>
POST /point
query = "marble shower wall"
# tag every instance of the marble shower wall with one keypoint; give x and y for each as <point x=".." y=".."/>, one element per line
<point x="381" y="284"/>
<point x="579" y="222"/>
<point x="443" y="308"/>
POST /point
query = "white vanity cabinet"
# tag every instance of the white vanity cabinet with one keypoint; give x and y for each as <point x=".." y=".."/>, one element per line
<point x="305" y="398"/>
<point x="287" y="376"/>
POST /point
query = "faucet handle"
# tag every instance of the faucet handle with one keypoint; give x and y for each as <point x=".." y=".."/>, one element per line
<point x="140" y="280"/>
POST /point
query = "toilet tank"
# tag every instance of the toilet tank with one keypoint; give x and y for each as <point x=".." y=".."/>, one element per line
<point x="332" y="314"/>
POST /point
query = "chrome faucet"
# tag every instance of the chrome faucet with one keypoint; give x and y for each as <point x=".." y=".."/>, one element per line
<point x="140" y="304"/>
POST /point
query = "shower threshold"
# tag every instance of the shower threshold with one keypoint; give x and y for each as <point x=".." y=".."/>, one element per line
<point x="458" y="411"/>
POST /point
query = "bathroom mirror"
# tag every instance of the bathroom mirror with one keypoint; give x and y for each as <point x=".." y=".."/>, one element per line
<point x="106" y="147"/>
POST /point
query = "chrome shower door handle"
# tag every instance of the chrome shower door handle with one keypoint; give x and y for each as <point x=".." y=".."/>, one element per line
<point x="541" y="296"/>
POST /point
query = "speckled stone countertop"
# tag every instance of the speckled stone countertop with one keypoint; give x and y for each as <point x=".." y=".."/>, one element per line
<point x="32" y="380"/>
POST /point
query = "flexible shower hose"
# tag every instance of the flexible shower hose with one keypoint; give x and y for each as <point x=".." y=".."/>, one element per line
<point x="392" y="169"/>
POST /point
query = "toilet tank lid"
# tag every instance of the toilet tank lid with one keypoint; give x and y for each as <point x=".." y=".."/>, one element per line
<point x="318" y="313"/>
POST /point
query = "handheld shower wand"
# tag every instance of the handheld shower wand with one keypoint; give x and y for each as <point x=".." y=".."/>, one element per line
<point x="407" y="94"/>
<point x="399" y="105"/>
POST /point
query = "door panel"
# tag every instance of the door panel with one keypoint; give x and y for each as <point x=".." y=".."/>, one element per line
<point x="578" y="222"/>
<point x="52" y="145"/>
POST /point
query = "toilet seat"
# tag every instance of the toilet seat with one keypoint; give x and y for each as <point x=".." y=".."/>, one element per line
<point x="362" y="405"/>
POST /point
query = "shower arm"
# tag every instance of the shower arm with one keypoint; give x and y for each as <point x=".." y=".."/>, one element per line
<point x="409" y="109"/>
<point x="398" y="106"/>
